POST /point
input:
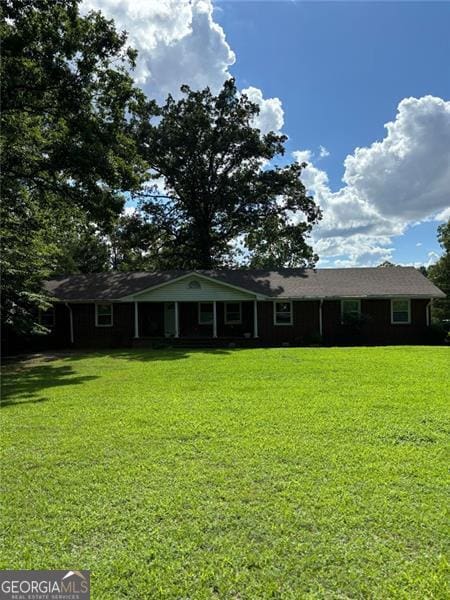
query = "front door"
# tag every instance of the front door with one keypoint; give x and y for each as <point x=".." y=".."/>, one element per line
<point x="169" y="319"/>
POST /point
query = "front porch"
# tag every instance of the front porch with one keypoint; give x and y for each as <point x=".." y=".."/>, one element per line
<point x="228" y="321"/>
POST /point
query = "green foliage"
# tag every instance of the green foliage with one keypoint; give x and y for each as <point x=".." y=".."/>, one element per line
<point x="130" y="240"/>
<point x="315" y="473"/>
<point x="220" y="190"/>
<point x="439" y="273"/>
<point x="68" y="111"/>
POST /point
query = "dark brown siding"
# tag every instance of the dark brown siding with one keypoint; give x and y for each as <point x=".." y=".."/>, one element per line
<point x="236" y="330"/>
<point x="87" y="335"/>
<point x="304" y="329"/>
<point x="376" y="327"/>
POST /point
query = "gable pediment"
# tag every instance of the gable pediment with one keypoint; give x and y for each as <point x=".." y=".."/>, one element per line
<point x="193" y="288"/>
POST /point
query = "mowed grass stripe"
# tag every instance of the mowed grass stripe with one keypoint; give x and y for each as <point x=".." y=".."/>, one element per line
<point x="262" y="473"/>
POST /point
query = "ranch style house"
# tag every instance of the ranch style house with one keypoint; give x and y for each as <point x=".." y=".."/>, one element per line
<point x="389" y="305"/>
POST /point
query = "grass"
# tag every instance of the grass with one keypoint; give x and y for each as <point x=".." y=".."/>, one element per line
<point x="241" y="474"/>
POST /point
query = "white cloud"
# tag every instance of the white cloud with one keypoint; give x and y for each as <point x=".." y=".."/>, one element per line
<point x="178" y="42"/>
<point x="432" y="258"/>
<point x="302" y="156"/>
<point x="443" y="215"/>
<point x="323" y="152"/>
<point x="271" y="116"/>
<point x="419" y="244"/>
<point x="399" y="181"/>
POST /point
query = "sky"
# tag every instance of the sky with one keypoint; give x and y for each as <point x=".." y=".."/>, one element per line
<point x="362" y="90"/>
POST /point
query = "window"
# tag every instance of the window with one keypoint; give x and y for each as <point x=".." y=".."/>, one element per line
<point x="194" y="285"/>
<point x="205" y="313"/>
<point x="233" y="313"/>
<point x="103" y="315"/>
<point x="282" y="314"/>
<point x="400" y="312"/>
<point x="350" y="310"/>
<point x="47" y="317"/>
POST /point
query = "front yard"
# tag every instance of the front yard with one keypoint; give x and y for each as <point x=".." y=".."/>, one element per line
<point x="234" y="474"/>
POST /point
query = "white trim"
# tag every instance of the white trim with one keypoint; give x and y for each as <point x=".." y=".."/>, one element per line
<point x="261" y="297"/>
<point x="199" y="312"/>
<point x="408" y="322"/>
<point x="97" y="304"/>
<point x="255" y="318"/>
<point x="226" y="321"/>
<point x="185" y="276"/>
<point x="348" y="299"/>
<point x="291" y="322"/>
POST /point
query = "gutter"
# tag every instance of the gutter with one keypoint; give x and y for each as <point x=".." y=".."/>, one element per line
<point x="428" y="312"/>
<point x="70" y="321"/>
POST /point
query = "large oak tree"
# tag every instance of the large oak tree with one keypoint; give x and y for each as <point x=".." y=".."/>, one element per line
<point x="224" y="202"/>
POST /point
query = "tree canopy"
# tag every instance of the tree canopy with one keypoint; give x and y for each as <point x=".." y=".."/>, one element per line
<point x="68" y="111"/>
<point x="224" y="202"/>
<point x="439" y="273"/>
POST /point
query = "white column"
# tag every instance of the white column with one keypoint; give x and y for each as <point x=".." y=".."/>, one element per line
<point x="255" y="318"/>
<point x="177" y="321"/>
<point x="214" y="319"/>
<point x="320" y="318"/>
<point x="136" y="320"/>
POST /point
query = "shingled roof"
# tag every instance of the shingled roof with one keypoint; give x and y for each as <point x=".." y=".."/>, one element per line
<point x="284" y="283"/>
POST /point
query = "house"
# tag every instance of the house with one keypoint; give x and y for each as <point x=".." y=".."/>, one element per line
<point x="246" y="307"/>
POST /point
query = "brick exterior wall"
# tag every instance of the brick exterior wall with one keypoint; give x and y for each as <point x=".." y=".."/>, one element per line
<point x="376" y="328"/>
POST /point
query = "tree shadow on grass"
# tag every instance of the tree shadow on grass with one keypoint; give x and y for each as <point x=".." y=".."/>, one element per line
<point x="25" y="385"/>
<point x="145" y="354"/>
<point x="169" y="354"/>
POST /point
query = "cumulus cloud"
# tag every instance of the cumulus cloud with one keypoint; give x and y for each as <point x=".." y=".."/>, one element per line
<point x="178" y="42"/>
<point x="271" y="116"/>
<point x="401" y="180"/>
<point x="323" y="152"/>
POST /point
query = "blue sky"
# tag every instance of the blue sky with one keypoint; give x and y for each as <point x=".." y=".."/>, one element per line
<point x="340" y="69"/>
<point x="331" y="75"/>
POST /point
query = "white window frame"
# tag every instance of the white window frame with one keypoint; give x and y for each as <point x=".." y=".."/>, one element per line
<point x="234" y="322"/>
<point x="343" y="300"/>
<point x="408" y="300"/>
<point x="200" y="322"/>
<point x="291" y="311"/>
<point x="97" y="304"/>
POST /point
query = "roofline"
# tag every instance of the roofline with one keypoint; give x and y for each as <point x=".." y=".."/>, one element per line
<point x="262" y="297"/>
<point x="132" y="297"/>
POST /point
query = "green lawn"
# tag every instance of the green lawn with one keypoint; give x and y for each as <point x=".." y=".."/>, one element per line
<point x="240" y="474"/>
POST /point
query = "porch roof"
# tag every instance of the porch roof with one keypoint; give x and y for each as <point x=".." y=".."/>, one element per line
<point x="284" y="283"/>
